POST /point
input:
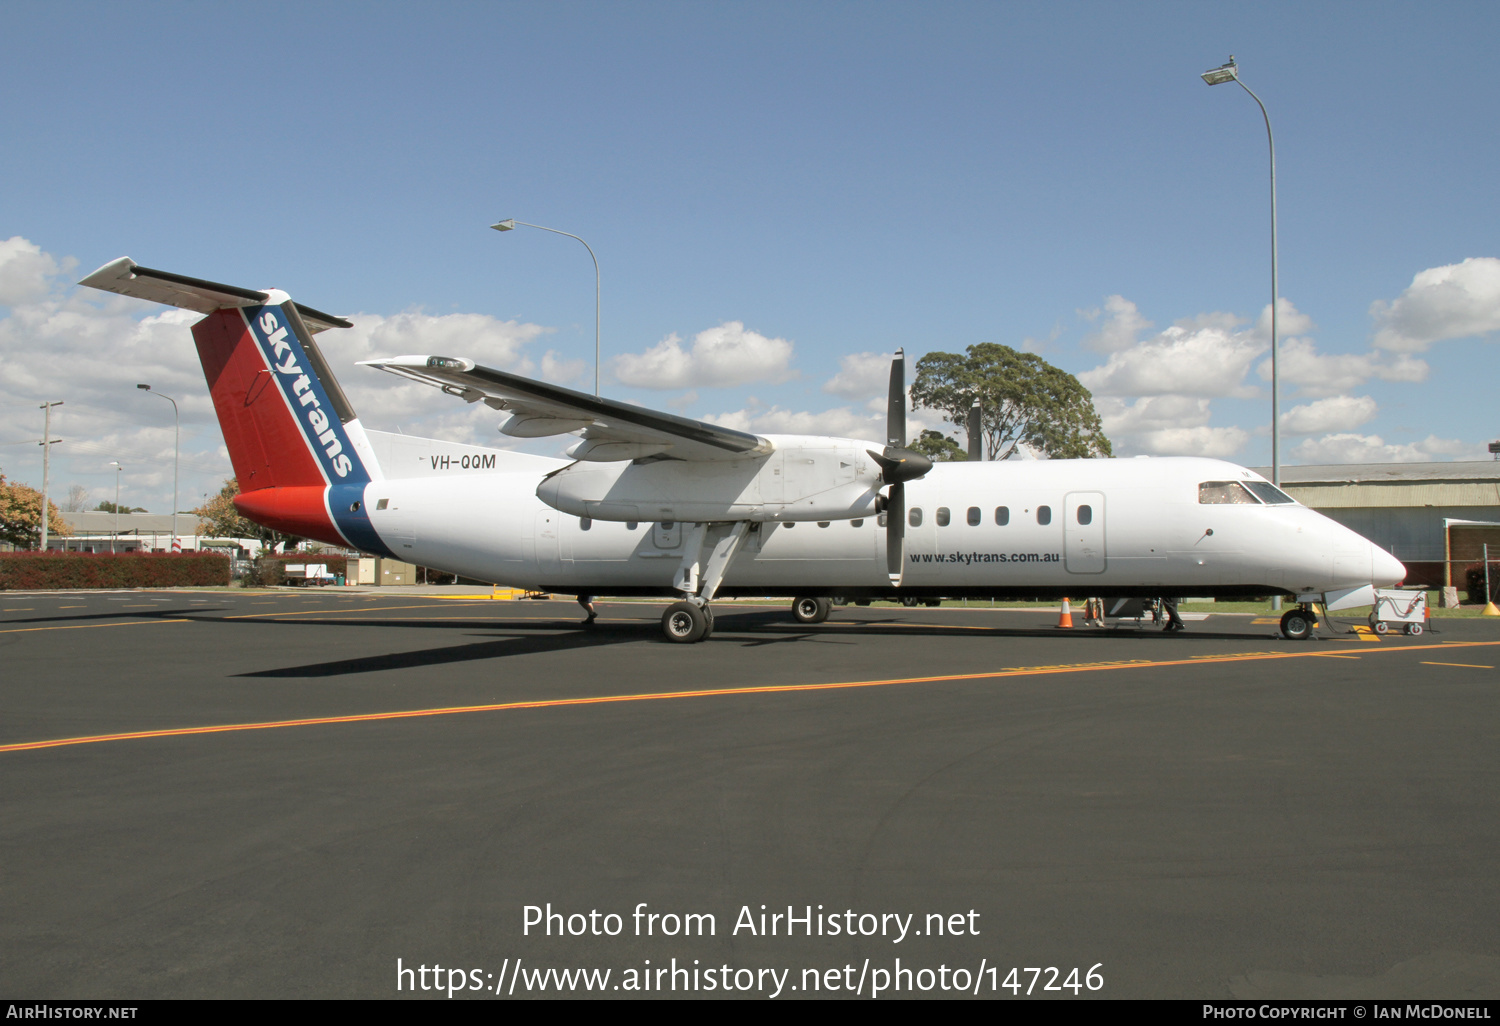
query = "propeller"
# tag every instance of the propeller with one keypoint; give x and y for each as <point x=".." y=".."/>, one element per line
<point x="898" y="465"/>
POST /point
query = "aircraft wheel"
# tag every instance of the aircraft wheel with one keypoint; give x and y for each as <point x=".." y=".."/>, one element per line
<point x="811" y="610"/>
<point x="1296" y="625"/>
<point x="1381" y="626"/>
<point x="684" y="622"/>
<point x="1414" y="629"/>
<point x="911" y="601"/>
<point x="708" y="618"/>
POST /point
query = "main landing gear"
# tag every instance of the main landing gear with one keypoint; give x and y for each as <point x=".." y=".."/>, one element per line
<point x="811" y="610"/>
<point x="690" y="619"/>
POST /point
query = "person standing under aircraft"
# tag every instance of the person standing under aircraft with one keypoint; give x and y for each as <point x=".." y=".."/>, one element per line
<point x="1174" y="622"/>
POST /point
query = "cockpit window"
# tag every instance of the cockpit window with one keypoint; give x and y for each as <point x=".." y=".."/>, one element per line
<point x="1224" y="493"/>
<point x="1269" y="493"/>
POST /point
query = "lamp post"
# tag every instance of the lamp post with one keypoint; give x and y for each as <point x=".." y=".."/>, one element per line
<point x="114" y="539"/>
<point x="176" y="458"/>
<point x="1230" y="72"/>
<point x="510" y="223"/>
<point x="47" y="443"/>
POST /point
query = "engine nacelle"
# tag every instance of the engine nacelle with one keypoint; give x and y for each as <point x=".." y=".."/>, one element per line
<point x="803" y="479"/>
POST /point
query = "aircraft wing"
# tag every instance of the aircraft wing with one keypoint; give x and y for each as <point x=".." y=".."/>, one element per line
<point x="611" y="430"/>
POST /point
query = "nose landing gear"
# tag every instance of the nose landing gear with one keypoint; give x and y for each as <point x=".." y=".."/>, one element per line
<point x="1297" y="624"/>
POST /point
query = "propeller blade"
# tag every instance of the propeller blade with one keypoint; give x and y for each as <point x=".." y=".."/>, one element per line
<point x="895" y="415"/>
<point x="895" y="532"/>
<point x="976" y="438"/>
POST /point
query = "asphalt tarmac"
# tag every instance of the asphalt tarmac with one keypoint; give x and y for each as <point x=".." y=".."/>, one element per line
<point x="327" y="794"/>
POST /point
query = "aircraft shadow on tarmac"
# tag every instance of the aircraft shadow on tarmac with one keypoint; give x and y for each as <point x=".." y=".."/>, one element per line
<point x="746" y="630"/>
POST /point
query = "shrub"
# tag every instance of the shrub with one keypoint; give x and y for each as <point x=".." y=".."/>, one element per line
<point x="1474" y="578"/>
<point x="35" y="571"/>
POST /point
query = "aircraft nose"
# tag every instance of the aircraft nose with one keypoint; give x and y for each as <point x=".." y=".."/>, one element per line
<point x="1385" y="569"/>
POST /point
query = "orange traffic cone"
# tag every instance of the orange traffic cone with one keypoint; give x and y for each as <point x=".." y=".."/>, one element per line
<point x="1066" y="620"/>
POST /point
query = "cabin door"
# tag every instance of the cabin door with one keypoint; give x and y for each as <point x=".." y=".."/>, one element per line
<point x="1083" y="532"/>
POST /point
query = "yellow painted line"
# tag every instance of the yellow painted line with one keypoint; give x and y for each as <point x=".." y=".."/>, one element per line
<point x="1365" y="634"/>
<point x="1333" y="655"/>
<point x="1265" y="620"/>
<point x="1468" y="666"/>
<point x="88" y="626"/>
<point x="310" y="612"/>
<point x="19" y="609"/>
<point x="552" y="703"/>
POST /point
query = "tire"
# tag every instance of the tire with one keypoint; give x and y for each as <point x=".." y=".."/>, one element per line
<point x="934" y="603"/>
<point x="811" y="610"/>
<point x="684" y="623"/>
<point x="1381" y="627"/>
<point x="1296" y="625"/>
<point x="911" y="601"/>
<point x="1414" y="629"/>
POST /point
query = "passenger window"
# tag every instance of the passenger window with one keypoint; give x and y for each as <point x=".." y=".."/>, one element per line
<point x="824" y="523"/>
<point x="1044" y="515"/>
<point x="974" y="516"/>
<point x="914" y="518"/>
<point x="856" y="523"/>
<point x="1002" y="515"/>
<point x="1085" y="515"/>
<point x="1225" y="493"/>
<point x="584" y="523"/>
<point x="942" y="516"/>
<point x="631" y="525"/>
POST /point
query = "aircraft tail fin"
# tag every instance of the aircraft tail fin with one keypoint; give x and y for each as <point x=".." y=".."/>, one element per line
<point x="298" y="449"/>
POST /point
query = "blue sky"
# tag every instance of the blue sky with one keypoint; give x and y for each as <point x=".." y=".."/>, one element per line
<point x="780" y="187"/>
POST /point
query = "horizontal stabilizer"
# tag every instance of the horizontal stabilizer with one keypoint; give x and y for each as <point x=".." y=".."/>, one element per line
<point x="129" y="278"/>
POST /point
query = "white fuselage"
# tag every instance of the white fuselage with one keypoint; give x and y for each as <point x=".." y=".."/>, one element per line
<point x="1005" y="529"/>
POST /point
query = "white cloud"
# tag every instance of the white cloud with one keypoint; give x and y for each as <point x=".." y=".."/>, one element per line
<point x="842" y="422"/>
<point x="1352" y="448"/>
<point x="1206" y="362"/>
<point x="25" y="271"/>
<point x="561" y="370"/>
<point x="1339" y="413"/>
<point x="1122" y="323"/>
<point x="1452" y="301"/>
<point x="1301" y="366"/>
<point x="1170" y="425"/>
<point x="721" y="356"/>
<point x="861" y="376"/>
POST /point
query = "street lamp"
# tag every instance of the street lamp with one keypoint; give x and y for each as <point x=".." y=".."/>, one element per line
<point x="116" y="537"/>
<point x="510" y="223"/>
<point x="176" y="458"/>
<point x="1230" y="72"/>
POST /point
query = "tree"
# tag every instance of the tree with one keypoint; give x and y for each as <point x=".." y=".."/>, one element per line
<point x="77" y="496"/>
<point x="1022" y="398"/>
<point x="224" y="521"/>
<point x="939" y="448"/>
<point x="21" y="516"/>
<point x="109" y="507"/>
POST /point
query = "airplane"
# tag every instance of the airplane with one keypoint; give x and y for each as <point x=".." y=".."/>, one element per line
<point x="652" y="504"/>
